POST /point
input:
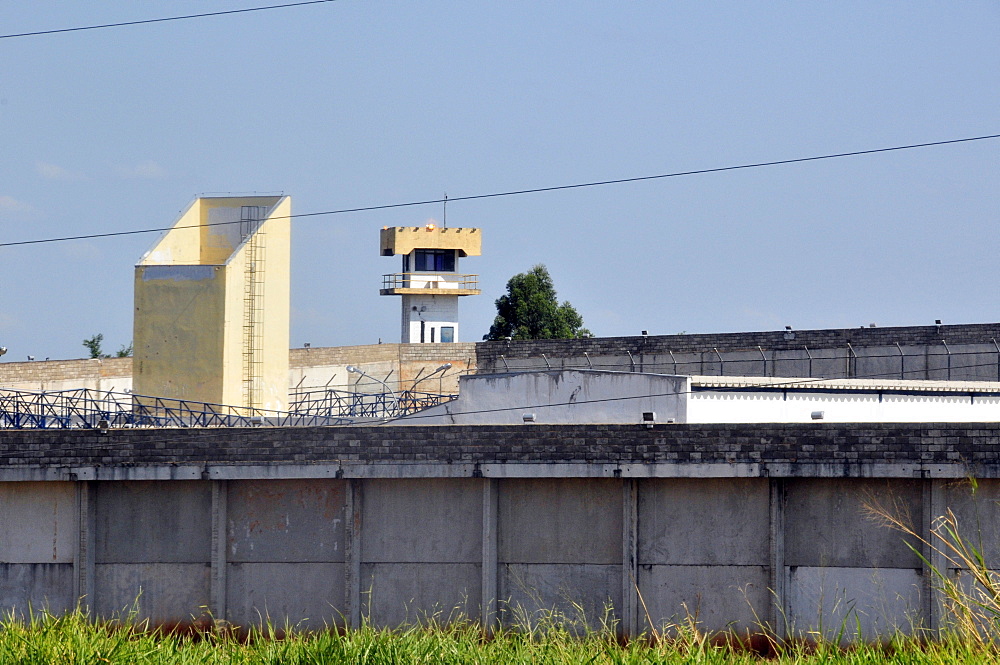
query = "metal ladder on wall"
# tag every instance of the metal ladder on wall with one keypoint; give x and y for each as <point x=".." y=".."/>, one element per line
<point x="253" y="237"/>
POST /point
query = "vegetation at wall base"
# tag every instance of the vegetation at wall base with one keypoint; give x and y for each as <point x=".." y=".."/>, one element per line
<point x="73" y="638"/>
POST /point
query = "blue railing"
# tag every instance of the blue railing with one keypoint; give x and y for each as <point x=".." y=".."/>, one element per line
<point x="91" y="409"/>
<point x="347" y="404"/>
<point x="84" y="408"/>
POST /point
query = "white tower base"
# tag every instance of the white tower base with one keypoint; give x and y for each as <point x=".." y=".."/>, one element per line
<point x="429" y="319"/>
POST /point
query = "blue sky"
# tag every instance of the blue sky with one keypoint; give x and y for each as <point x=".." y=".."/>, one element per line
<point x="353" y="103"/>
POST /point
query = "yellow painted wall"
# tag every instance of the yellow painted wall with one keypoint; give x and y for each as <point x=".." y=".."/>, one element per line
<point x="189" y="307"/>
<point x="404" y="239"/>
<point x="220" y="241"/>
<point x="178" y="351"/>
<point x="180" y="245"/>
<point x="277" y="303"/>
<point x="277" y="292"/>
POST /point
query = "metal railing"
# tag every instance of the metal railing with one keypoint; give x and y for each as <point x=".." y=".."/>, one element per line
<point x="347" y="404"/>
<point x="430" y="280"/>
<point x="83" y="408"/>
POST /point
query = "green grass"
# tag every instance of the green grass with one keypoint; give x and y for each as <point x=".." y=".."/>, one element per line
<point x="74" y="638"/>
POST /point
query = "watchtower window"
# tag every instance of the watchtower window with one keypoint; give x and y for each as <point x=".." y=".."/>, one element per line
<point x="434" y="260"/>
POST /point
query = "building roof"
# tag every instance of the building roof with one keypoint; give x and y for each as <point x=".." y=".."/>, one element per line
<point x="859" y="385"/>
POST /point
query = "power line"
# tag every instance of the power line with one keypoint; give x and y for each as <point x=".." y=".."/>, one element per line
<point x="519" y="192"/>
<point x="163" y="19"/>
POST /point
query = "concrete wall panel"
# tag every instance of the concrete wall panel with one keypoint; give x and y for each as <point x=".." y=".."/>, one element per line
<point x="879" y="602"/>
<point x="165" y="592"/>
<point x="717" y="521"/>
<point x="977" y="513"/>
<point x="560" y="521"/>
<point x="285" y="520"/>
<point x="153" y="522"/>
<point x="307" y="595"/>
<point x="422" y="521"/>
<point x="577" y="593"/>
<point x="39" y="586"/>
<point x="397" y="593"/>
<point x="40" y="519"/>
<point x="826" y="523"/>
<point x="717" y="597"/>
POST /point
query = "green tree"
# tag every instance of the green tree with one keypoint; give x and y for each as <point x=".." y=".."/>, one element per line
<point x="93" y="345"/>
<point x="530" y="310"/>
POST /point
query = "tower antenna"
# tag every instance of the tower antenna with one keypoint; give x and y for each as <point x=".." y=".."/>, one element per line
<point x="444" y="212"/>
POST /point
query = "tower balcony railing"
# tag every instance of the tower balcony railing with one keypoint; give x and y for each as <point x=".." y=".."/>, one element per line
<point x="430" y="281"/>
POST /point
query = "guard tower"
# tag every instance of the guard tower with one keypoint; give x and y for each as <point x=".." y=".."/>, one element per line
<point x="212" y="305"/>
<point x="430" y="283"/>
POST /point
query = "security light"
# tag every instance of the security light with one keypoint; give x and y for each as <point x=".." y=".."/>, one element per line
<point x="443" y="368"/>
<point x="528" y="417"/>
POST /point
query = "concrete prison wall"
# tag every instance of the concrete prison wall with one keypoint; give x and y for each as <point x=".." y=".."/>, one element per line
<point x="956" y="352"/>
<point x="734" y="524"/>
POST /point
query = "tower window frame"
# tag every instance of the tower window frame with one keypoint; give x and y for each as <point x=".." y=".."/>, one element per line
<point x="434" y="260"/>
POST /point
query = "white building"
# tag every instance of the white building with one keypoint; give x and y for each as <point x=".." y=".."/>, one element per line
<point x="594" y="396"/>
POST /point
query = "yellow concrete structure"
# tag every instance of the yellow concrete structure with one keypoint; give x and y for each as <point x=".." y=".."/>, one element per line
<point x="212" y="305"/>
<point x="405" y="239"/>
<point x="430" y="283"/>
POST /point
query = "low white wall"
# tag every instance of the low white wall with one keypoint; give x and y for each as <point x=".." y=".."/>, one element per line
<point x="798" y="407"/>
<point x="561" y="396"/>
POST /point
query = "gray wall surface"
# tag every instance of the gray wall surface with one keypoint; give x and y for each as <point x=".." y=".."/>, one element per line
<point x="949" y="352"/>
<point x="560" y="396"/>
<point x="797" y="554"/>
<point x="742" y="526"/>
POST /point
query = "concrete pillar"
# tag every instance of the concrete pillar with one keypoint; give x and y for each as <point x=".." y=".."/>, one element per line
<point x="778" y="574"/>
<point x="352" y="569"/>
<point x="630" y="569"/>
<point x="220" y="495"/>
<point x="490" y="522"/>
<point x="934" y="505"/>
<point x="83" y="578"/>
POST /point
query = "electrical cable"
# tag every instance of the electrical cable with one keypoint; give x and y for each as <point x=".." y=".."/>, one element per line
<point x="163" y="19"/>
<point x="519" y="192"/>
